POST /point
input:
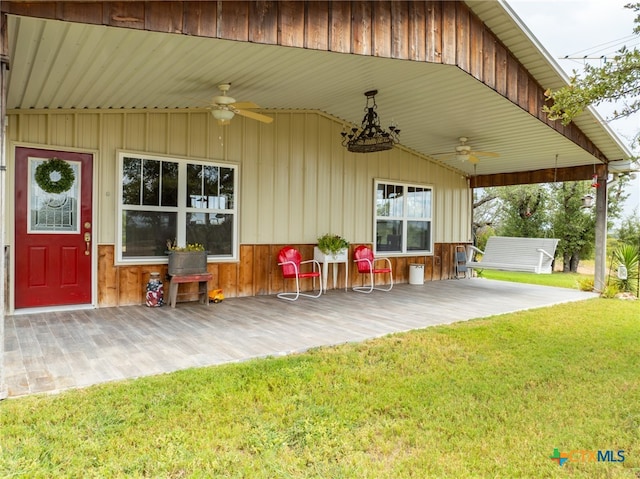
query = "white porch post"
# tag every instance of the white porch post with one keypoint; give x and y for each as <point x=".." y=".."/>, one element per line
<point x="601" y="231"/>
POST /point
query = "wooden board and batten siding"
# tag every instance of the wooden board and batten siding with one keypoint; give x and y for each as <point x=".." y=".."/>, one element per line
<point x="296" y="182"/>
<point x="255" y="274"/>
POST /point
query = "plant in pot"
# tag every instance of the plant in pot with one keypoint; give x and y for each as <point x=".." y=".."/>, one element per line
<point x="332" y="245"/>
<point x="188" y="259"/>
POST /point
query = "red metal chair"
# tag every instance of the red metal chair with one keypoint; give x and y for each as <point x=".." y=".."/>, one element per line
<point x="290" y="260"/>
<point x="366" y="265"/>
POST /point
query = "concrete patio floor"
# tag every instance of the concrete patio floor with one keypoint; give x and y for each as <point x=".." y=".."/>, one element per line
<point x="55" y="351"/>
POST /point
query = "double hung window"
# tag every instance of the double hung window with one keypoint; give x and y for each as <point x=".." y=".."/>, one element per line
<point x="403" y="218"/>
<point x="165" y="199"/>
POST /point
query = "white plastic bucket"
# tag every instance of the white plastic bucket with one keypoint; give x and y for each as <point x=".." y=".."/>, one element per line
<point x="416" y="273"/>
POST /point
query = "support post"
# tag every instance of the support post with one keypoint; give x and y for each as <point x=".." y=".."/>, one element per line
<point x="599" y="281"/>
<point x="4" y="67"/>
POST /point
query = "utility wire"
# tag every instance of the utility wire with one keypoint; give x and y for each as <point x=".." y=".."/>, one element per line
<point x="612" y="44"/>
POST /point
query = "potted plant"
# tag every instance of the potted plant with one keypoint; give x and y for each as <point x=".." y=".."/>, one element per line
<point x="188" y="259"/>
<point x="333" y="245"/>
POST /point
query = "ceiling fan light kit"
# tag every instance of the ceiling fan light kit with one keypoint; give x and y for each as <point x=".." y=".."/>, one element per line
<point x="370" y="137"/>
<point x="464" y="152"/>
<point x="223" y="116"/>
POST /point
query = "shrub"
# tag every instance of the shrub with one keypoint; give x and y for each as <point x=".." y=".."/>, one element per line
<point x="627" y="256"/>
<point x="610" y="291"/>
<point x="586" y="284"/>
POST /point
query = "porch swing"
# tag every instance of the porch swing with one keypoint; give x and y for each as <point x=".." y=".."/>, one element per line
<point x="507" y="253"/>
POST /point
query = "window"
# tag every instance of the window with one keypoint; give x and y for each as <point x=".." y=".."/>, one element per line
<point x="403" y="218"/>
<point x="163" y="199"/>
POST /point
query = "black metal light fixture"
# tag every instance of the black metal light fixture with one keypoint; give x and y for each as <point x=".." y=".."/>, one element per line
<point x="370" y="137"/>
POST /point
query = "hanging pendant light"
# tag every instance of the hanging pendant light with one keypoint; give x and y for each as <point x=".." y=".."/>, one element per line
<point x="370" y="137"/>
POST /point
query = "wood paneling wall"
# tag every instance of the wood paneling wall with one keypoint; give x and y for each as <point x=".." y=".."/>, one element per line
<point x="257" y="273"/>
<point x="430" y="31"/>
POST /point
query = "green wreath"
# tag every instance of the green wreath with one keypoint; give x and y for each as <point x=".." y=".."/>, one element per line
<point x="55" y="165"/>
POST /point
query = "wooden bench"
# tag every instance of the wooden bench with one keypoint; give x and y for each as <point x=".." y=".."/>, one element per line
<point x="203" y="286"/>
<point x="532" y="255"/>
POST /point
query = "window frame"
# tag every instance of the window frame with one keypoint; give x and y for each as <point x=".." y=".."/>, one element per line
<point x="404" y="218"/>
<point x="181" y="209"/>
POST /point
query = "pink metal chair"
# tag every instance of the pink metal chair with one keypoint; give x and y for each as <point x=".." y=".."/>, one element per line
<point x="366" y="265"/>
<point x="290" y="260"/>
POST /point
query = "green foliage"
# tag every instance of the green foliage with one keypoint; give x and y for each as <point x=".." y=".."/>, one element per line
<point x="485" y="398"/>
<point x="551" y="210"/>
<point x="629" y="230"/>
<point x="586" y="284"/>
<point x="617" y="79"/>
<point x="617" y="194"/>
<point x="609" y="291"/>
<point x="54" y="176"/>
<point x="628" y="257"/>
<point x="483" y="235"/>
<point x="572" y="224"/>
<point x="332" y="243"/>
<point x="524" y="212"/>
<point x="173" y="246"/>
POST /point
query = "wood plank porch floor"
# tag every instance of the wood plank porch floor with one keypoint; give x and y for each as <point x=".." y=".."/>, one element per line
<point x="51" y="352"/>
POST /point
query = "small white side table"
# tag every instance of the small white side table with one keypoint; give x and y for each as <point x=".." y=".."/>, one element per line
<point x="325" y="259"/>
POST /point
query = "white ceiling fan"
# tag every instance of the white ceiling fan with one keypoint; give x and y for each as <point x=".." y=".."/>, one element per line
<point x="224" y="107"/>
<point x="464" y="152"/>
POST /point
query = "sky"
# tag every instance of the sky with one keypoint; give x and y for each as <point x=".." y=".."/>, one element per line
<point x="579" y="31"/>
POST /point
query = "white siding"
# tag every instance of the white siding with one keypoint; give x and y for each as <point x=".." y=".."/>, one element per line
<point x="297" y="181"/>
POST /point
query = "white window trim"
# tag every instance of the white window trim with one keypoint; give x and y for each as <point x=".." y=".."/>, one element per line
<point x="404" y="219"/>
<point x="181" y="209"/>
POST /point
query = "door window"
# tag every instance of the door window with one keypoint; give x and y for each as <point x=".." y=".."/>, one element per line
<point x="53" y="195"/>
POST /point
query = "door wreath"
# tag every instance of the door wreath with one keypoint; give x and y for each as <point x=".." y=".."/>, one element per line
<point x="45" y="170"/>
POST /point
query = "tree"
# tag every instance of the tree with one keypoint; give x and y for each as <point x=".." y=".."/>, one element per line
<point x="486" y="210"/>
<point x="629" y="231"/>
<point x="545" y="210"/>
<point x="617" y="195"/>
<point x="573" y="225"/>
<point x="524" y="211"/>
<point x="617" y="79"/>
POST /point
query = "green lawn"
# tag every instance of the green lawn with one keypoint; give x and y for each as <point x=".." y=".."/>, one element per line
<point x="486" y="398"/>
<point x="561" y="280"/>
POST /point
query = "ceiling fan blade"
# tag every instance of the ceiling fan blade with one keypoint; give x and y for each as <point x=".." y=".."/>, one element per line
<point x="486" y="153"/>
<point x="245" y="105"/>
<point x="253" y="115"/>
<point x="473" y="159"/>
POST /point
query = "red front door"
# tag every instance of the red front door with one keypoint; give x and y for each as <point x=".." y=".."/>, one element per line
<point x="54" y="228"/>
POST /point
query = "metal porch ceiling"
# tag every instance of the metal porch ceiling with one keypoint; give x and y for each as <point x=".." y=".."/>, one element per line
<point x="60" y="65"/>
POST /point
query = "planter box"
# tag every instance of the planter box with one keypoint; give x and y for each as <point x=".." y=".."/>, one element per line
<point x="340" y="257"/>
<point x="187" y="262"/>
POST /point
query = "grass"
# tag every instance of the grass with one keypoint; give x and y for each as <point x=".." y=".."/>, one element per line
<point x="558" y="279"/>
<point x="485" y="398"/>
